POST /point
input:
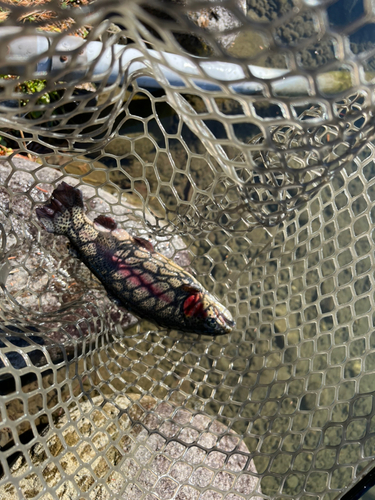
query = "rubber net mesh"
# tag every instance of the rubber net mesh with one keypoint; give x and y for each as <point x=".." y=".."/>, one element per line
<point x="238" y="138"/>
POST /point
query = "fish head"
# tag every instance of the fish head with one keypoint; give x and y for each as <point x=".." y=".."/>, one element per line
<point x="206" y="314"/>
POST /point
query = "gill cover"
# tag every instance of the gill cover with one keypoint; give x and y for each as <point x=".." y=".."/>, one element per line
<point x="194" y="305"/>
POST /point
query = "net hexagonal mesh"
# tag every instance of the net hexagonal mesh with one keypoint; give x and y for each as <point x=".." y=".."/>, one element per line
<point x="237" y="137"/>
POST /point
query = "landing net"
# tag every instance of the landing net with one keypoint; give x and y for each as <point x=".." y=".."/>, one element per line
<point x="238" y="138"/>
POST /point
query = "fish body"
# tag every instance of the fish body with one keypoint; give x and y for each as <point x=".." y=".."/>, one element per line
<point x="137" y="277"/>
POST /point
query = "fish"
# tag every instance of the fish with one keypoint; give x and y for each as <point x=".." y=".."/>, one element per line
<point x="134" y="275"/>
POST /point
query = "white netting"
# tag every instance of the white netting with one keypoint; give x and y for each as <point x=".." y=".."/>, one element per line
<point x="237" y="136"/>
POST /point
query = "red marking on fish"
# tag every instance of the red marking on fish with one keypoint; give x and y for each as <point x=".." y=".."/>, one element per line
<point x="137" y="278"/>
<point x="193" y="306"/>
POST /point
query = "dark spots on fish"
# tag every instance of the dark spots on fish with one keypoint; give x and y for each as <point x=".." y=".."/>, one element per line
<point x="137" y="277"/>
<point x="141" y="253"/>
<point x="175" y="282"/>
<point x="142" y="295"/>
<point x="150" y="266"/>
<point x="168" y="271"/>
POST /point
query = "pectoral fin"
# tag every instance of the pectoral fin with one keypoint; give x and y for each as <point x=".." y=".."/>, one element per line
<point x="192" y="289"/>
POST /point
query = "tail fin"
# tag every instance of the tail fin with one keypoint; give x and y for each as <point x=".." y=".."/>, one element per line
<point x="55" y="215"/>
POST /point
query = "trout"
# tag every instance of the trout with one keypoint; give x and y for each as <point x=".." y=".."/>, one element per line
<point x="135" y="276"/>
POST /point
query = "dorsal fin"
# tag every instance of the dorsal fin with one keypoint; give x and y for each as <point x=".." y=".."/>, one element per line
<point x="144" y="243"/>
<point x="106" y="222"/>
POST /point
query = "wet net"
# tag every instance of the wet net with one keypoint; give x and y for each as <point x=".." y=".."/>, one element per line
<point x="237" y="137"/>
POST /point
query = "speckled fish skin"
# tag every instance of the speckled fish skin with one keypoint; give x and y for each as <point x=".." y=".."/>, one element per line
<point x="143" y="281"/>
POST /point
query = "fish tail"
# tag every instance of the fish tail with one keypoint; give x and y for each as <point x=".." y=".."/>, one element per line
<point x="56" y="216"/>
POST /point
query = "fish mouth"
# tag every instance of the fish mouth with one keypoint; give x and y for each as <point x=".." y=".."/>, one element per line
<point x="224" y="324"/>
<point x="227" y="323"/>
